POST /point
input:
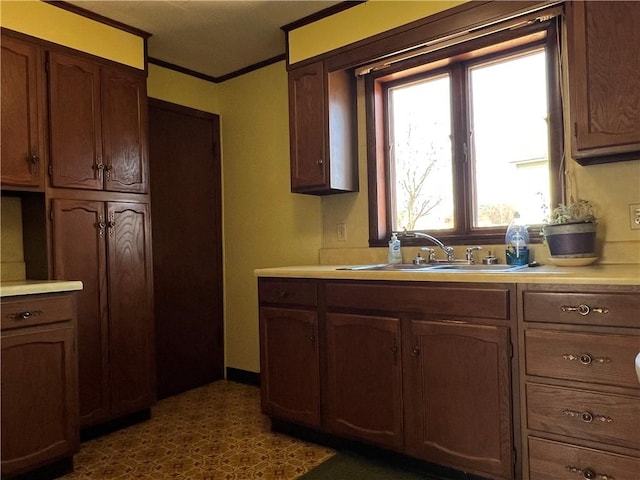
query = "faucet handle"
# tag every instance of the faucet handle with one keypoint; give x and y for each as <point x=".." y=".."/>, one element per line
<point x="431" y="251"/>
<point x="469" y="256"/>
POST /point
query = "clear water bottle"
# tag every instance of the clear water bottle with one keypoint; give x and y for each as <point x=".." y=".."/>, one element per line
<point x="516" y="240"/>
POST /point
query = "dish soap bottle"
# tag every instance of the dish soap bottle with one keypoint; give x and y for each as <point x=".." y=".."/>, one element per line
<point x="516" y="239"/>
<point x="395" y="254"/>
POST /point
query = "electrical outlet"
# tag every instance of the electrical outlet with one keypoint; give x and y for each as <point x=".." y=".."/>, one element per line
<point x="634" y="216"/>
<point x="341" y="232"/>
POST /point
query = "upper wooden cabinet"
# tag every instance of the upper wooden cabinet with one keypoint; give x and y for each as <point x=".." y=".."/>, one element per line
<point x="22" y="117"/>
<point x="322" y="130"/>
<point x="604" y="80"/>
<point x="98" y="118"/>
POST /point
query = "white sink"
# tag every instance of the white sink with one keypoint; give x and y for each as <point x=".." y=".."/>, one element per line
<point x="638" y="366"/>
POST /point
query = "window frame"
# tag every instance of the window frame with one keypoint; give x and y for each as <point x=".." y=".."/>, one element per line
<point x="482" y="48"/>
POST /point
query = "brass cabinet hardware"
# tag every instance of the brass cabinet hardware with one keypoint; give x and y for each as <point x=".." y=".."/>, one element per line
<point x="415" y="352"/>
<point x="589" y="474"/>
<point x="35" y="161"/>
<point x="584" y="310"/>
<point x="23" y="315"/>
<point x="588" y="417"/>
<point x="586" y="359"/>
<point x="101" y="225"/>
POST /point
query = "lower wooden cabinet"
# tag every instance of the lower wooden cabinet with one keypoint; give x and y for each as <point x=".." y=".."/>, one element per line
<point x="458" y="396"/>
<point x="290" y="366"/>
<point x="409" y="366"/>
<point x="364" y="378"/>
<point x="39" y="382"/>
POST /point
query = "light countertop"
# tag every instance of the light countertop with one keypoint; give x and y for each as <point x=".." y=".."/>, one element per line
<point x="30" y="287"/>
<point x="601" y="274"/>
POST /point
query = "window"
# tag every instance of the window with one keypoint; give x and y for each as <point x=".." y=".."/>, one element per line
<point x="467" y="137"/>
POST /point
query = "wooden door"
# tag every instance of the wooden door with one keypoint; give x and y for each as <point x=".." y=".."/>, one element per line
<point x="79" y="230"/>
<point x="75" y="124"/>
<point x="39" y="397"/>
<point x="604" y="77"/>
<point x="21" y="120"/>
<point x="364" y="378"/>
<point x="130" y="283"/>
<point x="184" y="146"/>
<point x="307" y="114"/>
<point x="124" y="131"/>
<point x="290" y="365"/>
<point x="458" y="396"/>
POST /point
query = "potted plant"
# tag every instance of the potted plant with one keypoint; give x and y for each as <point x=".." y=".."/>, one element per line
<point x="571" y="231"/>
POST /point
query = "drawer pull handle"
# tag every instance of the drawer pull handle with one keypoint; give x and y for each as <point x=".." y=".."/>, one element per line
<point x="283" y="293"/>
<point x="584" y="310"/>
<point x="586" y="359"/>
<point x="588" y="417"/>
<point x="589" y="474"/>
<point x="23" y="315"/>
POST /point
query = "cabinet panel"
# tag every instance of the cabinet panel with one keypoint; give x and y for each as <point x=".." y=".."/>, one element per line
<point x="23" y="148"/>
<point x="584" y="357"/>
<point x="604" y="76"/>
<point x="583" y="414"/>
<point x="39" y="397"/>
<point x="593" y="308"/>
<point x="554" y="460"/>
<point x="79" y="229"/>
<point x="364" y="378"/>
<point x="290" y="365"/>
<point x="458" y="386"/>
<point x="124" y="128"/>
<point x="288" y="292"/>
<point x="309" y="161"/>
<point x="38" y="311"/>
<point x="130" y="284"/>
<point x="75" y="123"/>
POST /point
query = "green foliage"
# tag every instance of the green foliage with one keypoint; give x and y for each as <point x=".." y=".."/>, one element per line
<point x="580" y="211"/>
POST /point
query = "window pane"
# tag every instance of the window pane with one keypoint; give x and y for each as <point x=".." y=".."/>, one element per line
<point x="420" y="155"/>
<point x="510" y="139"/>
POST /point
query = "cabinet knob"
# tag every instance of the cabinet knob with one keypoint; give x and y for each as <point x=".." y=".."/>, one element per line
<point x="320" y="161"/>
<point x="35" y="161"/>
<point x="586" y="359"/>
<point x="415" y="352"/>
<point x="23" y="315"/>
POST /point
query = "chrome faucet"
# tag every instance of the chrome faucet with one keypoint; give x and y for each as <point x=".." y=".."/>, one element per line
<point x="448" y="251"/>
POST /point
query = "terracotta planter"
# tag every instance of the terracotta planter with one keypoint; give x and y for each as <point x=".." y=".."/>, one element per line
<point x="571" y="239"/>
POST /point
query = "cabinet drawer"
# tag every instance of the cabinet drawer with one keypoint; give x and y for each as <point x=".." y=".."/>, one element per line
<point x="475" y="302"/>
<point x="610" y="309"/>
<point x="560" y="461"/>
<point x="589" y="415"/>
<point x="289" y="292"/>
<point x="585" y="357"/>
<point x="26" y="312"/>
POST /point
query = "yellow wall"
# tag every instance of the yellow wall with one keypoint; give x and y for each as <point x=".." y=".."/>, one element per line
<point x="264" y="223"/>
<point x="182" y="89"/>
<point x="56" y="25"/>
<point x="357" y="23"/>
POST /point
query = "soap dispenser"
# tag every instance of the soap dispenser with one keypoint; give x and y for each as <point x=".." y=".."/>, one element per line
<point x="516" y="240"/>
<point x="395" y="254"/>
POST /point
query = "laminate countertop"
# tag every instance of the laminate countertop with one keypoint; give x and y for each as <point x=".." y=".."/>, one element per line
<point x="34" y="287"/>
<point x="600" y="274"/>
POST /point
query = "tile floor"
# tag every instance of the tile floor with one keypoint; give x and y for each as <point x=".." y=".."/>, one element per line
<point x="215" y="432"/>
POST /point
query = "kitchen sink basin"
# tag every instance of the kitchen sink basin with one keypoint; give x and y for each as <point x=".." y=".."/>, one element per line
<point x="462" y="267"/>
<point x="438" y="267"/>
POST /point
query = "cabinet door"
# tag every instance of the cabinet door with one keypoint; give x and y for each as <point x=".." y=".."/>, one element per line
<point x="364" y="378"/>
<point x="309" y="162"/>
<point x="458" y="394"/>
<point x="79" y="229"/>
<point x="75" y="125"/>
<point x="604" y="75"/>
<point x="289" y="364"/>
<point x="130" y="281"/>
<point x="21" y="118"/>
<point x="124" y="130"/>
<point x="39" y="397"/>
